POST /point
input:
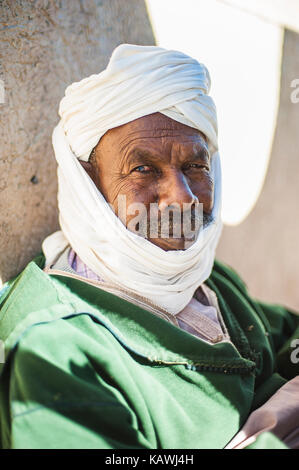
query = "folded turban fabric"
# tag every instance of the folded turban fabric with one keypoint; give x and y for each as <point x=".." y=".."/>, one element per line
<point x="139" y="80"/>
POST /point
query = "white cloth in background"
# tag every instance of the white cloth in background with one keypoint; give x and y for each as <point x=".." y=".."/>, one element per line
<point x="139" y="80"/>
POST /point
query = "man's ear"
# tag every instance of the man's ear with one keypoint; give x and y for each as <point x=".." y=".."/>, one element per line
<point x="88" y="168"/>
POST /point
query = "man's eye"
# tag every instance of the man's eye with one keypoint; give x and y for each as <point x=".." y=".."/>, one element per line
<point x="143" y="169"/>
<point x="198" y="166"/>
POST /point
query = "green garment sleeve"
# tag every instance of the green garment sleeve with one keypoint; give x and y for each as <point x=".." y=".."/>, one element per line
<point x="64" y="402"/>
<point x="284" y="330"/>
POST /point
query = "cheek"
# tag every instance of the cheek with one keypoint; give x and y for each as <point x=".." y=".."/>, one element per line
<point x="203" y="188"/>
<point x="135" y="190"/>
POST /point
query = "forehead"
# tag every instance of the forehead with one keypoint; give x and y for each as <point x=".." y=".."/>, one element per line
<point x="155" y="127"/>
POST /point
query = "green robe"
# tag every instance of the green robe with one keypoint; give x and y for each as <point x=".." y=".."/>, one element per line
<point x="86" y="369"/>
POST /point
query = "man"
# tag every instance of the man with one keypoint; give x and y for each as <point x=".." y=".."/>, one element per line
<point x="125" y="332"/>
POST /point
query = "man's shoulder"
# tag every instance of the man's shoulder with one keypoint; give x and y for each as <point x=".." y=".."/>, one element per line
<point x="223" y="271"/>
<point x="32" y="298"/>
<point x="41" y="318"/>
<point x="26" y="290"/>
<point x="8" y="287"/>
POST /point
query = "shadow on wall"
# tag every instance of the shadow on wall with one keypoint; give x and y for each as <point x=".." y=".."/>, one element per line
<point x="43" y="51"/>
<point x="264" y="248"/>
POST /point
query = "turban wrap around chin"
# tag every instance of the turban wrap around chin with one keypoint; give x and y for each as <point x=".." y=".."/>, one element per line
<point x="139" y="80"/>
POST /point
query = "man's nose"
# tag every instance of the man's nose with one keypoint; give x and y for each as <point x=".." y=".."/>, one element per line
<point x="176" y="190"/>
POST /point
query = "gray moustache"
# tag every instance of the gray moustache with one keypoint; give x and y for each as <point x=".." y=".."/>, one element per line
<point x="173" y="227"/>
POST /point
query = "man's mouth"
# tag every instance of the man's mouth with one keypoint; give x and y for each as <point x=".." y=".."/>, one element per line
<point x="186" y="229"/>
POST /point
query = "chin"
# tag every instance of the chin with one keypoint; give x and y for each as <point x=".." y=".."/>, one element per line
<point x="168" y="244"/>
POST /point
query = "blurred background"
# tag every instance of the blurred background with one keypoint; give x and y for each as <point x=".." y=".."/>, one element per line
<point x="251" y="48"/>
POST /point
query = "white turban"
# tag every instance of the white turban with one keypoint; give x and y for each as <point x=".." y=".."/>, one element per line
<point x="139" y="80"/>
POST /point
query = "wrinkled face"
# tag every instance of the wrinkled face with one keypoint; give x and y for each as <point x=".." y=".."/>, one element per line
<point x="159" y="163"/>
